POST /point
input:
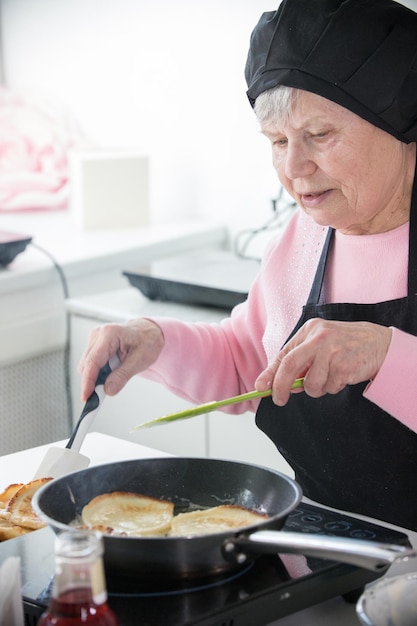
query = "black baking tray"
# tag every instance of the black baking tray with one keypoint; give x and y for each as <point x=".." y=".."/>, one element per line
<point x="203" y="277"/>
<point x="11" y="244"/>
<point x="166" y="290"/>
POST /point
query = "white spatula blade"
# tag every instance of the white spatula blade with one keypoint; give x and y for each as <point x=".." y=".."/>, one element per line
<point x="60" y="461"/>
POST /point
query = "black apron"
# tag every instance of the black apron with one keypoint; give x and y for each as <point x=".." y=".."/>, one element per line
<point x="345" y="451"/>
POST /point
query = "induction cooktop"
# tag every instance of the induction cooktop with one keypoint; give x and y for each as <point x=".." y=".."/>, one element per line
<point x="270" y="587"/>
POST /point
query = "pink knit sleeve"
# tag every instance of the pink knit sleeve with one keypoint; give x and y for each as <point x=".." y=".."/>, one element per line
<point x="202" y="362"/>
<point x="394" y="389"/>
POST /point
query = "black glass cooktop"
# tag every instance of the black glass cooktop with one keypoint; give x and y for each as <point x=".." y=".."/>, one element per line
<point x="270" y="587"/>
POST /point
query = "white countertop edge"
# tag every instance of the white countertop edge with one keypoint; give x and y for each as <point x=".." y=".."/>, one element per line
<point x="122" y="305"/>
<point x="87" y="253"/>
<point x="19" y="467"/>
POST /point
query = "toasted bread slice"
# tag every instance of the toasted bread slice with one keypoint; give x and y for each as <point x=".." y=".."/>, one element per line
<point x="20" y="508"/>
<point x="215" y="520"/>
<point x="8" y="493"/>
<point x="10" y="531"/>
<point x="130" y="514"/>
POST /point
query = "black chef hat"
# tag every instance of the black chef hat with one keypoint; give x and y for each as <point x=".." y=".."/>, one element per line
<point x="361" y="54"/>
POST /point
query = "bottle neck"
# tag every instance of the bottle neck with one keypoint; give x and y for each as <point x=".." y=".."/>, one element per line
<point x="80" y="578"/>
<point x="79" y="593"/>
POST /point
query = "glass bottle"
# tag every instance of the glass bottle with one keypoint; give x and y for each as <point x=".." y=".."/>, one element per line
<point x="79" y="593"/>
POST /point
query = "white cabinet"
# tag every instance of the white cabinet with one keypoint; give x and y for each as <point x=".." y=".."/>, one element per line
<point x="32" y="314"/>
<point x="216" y="435"/>
<point x="33" y="329"/>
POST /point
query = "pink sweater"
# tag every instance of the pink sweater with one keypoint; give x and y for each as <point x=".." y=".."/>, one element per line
<point x="202" y="362"/>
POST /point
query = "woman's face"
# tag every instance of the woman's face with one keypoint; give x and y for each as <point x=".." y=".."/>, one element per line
<point x="343" y="171"/>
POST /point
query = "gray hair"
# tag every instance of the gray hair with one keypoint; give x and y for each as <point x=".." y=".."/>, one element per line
<point x="275" y="104"/>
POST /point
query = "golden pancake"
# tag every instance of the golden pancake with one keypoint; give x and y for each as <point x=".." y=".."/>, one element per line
<point x="215" y="520"/>
<point x="129" y="514"/>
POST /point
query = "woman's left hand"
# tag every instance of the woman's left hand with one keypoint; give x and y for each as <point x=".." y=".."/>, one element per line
<point x="330" y="355"/>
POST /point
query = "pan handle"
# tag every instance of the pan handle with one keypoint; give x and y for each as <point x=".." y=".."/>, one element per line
<point x="368" y="554"/>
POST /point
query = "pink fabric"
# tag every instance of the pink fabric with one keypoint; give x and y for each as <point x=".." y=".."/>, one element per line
<point x="296" y="565"/>
<point x="33" y="155"/>
<point x="394" y="389"/>
<point x="225" y="359"/>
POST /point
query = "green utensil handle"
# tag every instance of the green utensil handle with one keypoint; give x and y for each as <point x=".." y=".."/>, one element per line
<point x="212" y="406"/>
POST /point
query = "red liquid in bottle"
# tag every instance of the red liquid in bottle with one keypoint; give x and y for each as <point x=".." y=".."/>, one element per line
<point x="79" y="594"/>
<point x="77" y="607"/>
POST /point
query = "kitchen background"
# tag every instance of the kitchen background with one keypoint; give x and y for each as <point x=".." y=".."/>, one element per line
<point x="164" y="78"/>
<point x="163" y="81"/>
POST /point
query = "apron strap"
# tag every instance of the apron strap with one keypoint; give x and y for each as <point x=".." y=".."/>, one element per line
<point x="412" y="251"/>
<point x="314" y="296"/>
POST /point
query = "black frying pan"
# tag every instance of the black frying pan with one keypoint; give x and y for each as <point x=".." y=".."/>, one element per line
<point x="190" y="483"/>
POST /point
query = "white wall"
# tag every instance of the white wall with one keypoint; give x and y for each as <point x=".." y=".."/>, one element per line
<point x="165" y="77"/>
<point x="1" y="47"/>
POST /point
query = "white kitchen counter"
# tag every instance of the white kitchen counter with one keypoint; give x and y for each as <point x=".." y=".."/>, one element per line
<point x="32" y="316"/>
<point x="210" y="267"/>
<point x="122" y="305"/>
<point x="62" y="262"/>
<point x="86" y="252"/>
<point x="20" y="466"/>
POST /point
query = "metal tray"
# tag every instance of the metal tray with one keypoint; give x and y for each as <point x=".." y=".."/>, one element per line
<point x="166" y="290"/>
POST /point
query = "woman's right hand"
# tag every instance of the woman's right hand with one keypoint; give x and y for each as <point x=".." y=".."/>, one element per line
<point x="330" y="355"/>
<point x="138" y="343"/>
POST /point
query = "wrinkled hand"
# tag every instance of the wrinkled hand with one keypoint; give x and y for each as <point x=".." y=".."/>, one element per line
<point x="138" y="343"/>
<point x="330" y="355"/>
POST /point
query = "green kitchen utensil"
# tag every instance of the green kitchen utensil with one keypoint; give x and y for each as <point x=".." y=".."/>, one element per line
<point x="212" y="406"/>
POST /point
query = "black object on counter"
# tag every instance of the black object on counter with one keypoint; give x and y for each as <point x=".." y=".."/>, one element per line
<point x="11" y="244"/>
<point x="167" y="290"/>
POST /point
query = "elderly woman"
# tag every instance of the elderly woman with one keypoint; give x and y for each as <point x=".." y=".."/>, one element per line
<point x="334" y="86"/>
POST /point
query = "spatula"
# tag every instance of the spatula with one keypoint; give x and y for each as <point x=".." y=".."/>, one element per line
<point x="60" y="461"/>
<point x="212" y="406"/>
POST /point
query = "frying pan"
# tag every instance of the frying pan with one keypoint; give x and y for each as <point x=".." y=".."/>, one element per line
<point x="198" y="483"/>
